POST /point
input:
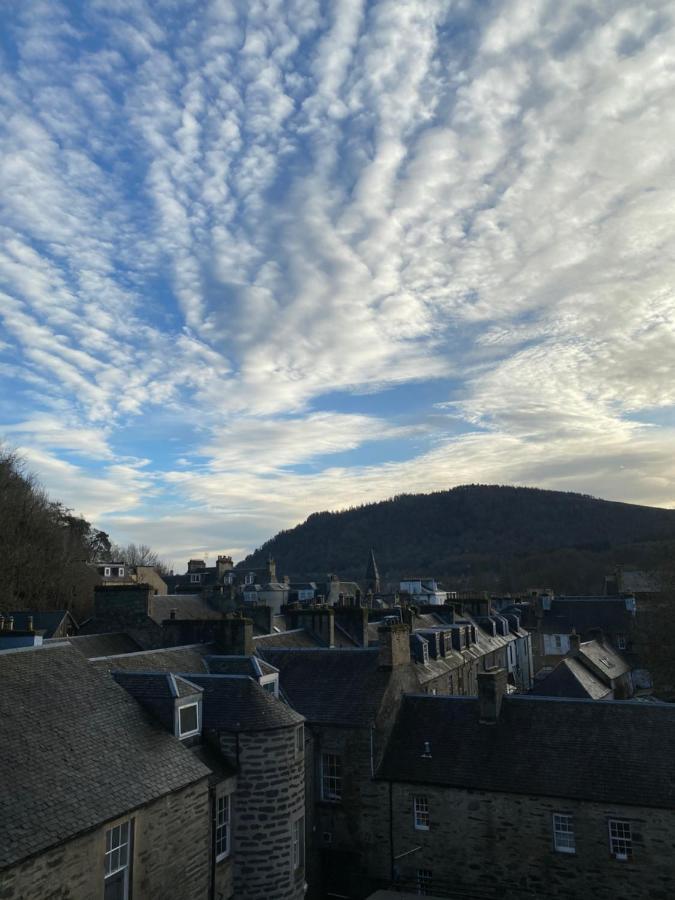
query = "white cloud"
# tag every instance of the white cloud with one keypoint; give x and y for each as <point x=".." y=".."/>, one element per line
<point x="214" y="216"/>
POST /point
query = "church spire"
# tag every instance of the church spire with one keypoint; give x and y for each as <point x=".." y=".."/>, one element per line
<point x="372" y="574"/>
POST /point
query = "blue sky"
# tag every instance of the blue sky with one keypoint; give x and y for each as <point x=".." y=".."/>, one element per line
<point x="260" y="259"/>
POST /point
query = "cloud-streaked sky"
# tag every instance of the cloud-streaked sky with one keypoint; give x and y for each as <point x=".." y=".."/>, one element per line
<point x="263" y="258"/>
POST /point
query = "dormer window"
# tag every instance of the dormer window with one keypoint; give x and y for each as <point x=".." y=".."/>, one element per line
<point x="106" y="572"/>
<point x="195" y="579"/>
<point x="188" y="720"/>
<point x="249" y="579"/>
<point x="120" y="571"/>
<point x="270" y="683"/>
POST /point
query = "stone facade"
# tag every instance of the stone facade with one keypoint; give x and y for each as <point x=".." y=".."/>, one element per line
<point x="269" y="800"/>
<point x="170" y="856"/>
<point x="502" y="845"/>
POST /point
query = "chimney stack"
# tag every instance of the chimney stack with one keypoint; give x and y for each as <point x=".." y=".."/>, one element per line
<point x="491" y="689"/>
<point x="234" y="636"/>
<point x="394" y="640"/>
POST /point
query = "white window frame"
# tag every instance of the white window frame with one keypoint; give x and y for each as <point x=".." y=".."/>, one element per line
<point x="249" y="579"/>
<point x="298" y="844"/>
<point x="106" y="572"/>
<point x="268" y="680"/>
<point x="564" y="837"/>
<point x="620" y="839"/>
<point x="120" y="571"/>
<point x="118" y="851"/>
<point x="425" y="879"/>
<point x="195" y="578"/>
<point x="222" y="837"/>
<point x="331" y="777"/>
<point x="184" y="734"/>
<point x="421" y="812"/>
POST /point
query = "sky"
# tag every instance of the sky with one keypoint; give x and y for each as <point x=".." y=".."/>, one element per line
<point x="260" y="259"/>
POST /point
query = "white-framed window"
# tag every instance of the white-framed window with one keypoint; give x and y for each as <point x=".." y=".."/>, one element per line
<point x="564" y="840"/>
<point x="298" y="843"/>
<point x="424" y="881"/>
<point x="620" y="839"/>
<point x="249" y="579"/>
<point x="118" y="860"/>
<point x="120" y="571"/>
<point x="421" y="812"/>
<point x="188" y="720"/>
<point x="300" y="739"/>
<point x="557" y="641"/>
<point x="222" y="827"/>
<point x="106" y="572"/>
<point x="621" y="641"/>
<point x="331" y="776"/>
<point x="195" y="578"/>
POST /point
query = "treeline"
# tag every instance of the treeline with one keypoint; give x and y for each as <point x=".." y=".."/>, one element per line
<point x="479" y="536"/>
<point x="46" y="551"/>
<point x="45" y="548"/>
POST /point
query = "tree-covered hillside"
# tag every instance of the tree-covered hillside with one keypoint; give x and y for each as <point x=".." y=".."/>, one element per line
<point x="45" y="549"/>
<point x="479" y="536"/>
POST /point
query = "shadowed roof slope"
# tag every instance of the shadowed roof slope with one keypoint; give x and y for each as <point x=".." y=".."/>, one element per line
<point x="331" y="687"/>
<point x="571" y="679"/>
<point x="189" y="658"/>
<point x="76" y="751"/>
<point x="237" y="703"/>
<point x="609" y="752"/>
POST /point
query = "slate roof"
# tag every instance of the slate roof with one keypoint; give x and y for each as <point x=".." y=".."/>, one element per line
<point x="237" y="703"/>
<point x="571" y="679"/>
<point x="607" y="660"/>
<point x="567" y="615"/>
<point x="611" y="752"/>
<point x="331" y="687"/>
<point x="44" y="621"/>
<point x="297" y="638"/>
<point x="187" y="606"/>
<point x="93" y="645"/>
<point x="172" y="659"/>
<point x="76" y="751"/>
<point x="238" y="665"/>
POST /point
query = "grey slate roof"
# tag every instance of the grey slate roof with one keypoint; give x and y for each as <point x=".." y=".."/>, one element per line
<point x="187" y="606"/>
<point x="113" y="643"/>
<point x="238" y="665"/>
<point x="571" y="679"/>
<point x="189" y="658"/>
<point x="608" y="661"/>
<point x="338" y="687"/>
<point x="296" y="638"/>
<point x="237" y="703"/>
<point x="44" y="621"/>
<point x="76" y="751"/>
<point x="611" y="752"/>
<point x="567" y="615"/>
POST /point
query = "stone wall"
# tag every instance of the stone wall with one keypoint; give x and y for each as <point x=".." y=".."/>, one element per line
<point x="502" y="845"/>
<point x="170" y="856"/>
<point x="270" y="797"/>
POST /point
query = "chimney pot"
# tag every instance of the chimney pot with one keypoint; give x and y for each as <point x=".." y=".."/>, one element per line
<point x="10" y="624"/>
<point x="29" y="624"/>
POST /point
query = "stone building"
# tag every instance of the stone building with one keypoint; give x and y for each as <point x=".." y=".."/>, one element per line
<point x="239" y="724"/>
<point x="593" y="670"/>
<point x="95" y="802"/>
<point x="525" y="797"/>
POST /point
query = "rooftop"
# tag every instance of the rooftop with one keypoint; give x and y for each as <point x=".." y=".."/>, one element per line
<point x="64" y="768"/>
<point x="575" y="749"/>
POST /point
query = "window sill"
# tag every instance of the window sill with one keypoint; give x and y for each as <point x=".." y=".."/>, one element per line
<point x="223" y="857"/>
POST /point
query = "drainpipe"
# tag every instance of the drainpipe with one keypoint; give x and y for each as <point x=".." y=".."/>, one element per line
<point x="391" y="832"/>
<point x="212" y="867"/>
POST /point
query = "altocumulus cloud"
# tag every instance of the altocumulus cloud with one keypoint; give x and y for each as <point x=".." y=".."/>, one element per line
<point x="262" y="258"/>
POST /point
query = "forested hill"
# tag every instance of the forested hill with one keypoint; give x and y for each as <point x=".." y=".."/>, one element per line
<point x="475" y="536"/>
